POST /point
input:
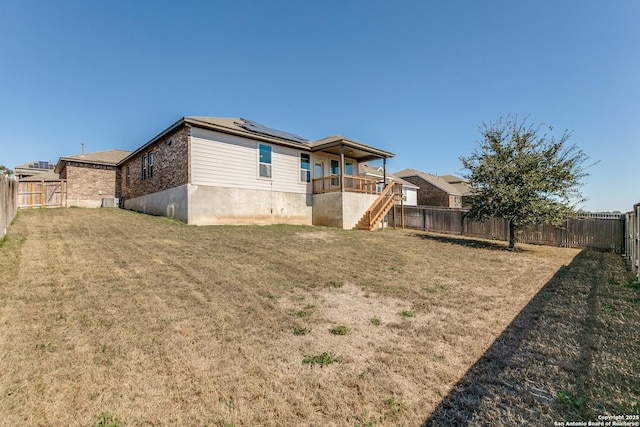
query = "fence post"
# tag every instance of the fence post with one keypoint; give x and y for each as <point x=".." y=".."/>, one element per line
<point x="559" y="236"/>
<point x="424" y="219"/>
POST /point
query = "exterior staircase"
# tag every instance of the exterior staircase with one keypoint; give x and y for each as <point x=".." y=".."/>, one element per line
<point x="391" y="194"/>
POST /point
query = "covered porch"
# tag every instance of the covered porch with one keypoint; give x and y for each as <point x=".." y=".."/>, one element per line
<point x="340" y="197"/>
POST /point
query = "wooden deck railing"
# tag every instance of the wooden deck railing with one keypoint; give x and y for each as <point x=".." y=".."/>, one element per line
<point x="353" y="184"/>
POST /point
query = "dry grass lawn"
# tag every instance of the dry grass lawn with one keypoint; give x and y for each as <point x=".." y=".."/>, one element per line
<point x="109" y="315"/>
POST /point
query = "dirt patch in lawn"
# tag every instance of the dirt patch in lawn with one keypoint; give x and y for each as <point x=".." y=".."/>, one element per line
<point x="158" y="323"/>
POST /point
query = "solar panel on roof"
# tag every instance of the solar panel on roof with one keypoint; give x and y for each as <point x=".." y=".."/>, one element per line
<point x="41" y="165"/>
<point x="264" y="130"/>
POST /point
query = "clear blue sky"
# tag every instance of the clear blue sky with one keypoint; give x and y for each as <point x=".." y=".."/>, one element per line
<point x="416" y="78"/>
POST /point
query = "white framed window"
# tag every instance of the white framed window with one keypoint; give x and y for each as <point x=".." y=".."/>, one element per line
<point x="334" y="167"/>
<point x="151" y="158"/>
<point x="127" y="174"/>
<point x="305" y="167"/>
<point x="264" y="161"/>
<point x="348" y="168"/>
<point x="143" y="173"/>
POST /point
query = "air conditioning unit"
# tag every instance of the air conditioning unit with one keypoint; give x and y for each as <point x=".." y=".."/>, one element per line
<point x="110" y="202"/>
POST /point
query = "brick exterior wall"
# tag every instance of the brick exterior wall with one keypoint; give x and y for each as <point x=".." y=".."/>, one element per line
<point x="89" y="182"/>
<point x="428" y="194"/>
<point x="170" y="166"/>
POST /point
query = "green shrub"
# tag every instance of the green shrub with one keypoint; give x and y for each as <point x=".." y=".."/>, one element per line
<point x="339" y="330"/>
<point x="322" y="359"/>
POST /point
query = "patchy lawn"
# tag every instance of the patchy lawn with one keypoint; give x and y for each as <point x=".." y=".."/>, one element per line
<point x="108" y="315"/>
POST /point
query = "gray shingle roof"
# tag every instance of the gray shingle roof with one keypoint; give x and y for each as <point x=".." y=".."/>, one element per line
<point x="43" y="176"/>
<point x="248" y="127"/>
<point x="434" y="180"/>
<point x="377" y="172"/>
<point x="108" y="157"/>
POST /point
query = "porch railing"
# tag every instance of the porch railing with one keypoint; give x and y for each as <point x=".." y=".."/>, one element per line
<point x="383" y="204"/>
<point x="353" y="184"/>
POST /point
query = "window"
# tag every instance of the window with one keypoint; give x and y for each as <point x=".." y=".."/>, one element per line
<point x="127" y="176"/>
<point x="264" y="163"/>
<point x="143" y="173"/>
<point x="348" y="169"/>
<point x="335" y="167"/>
<point x="305" y="167"/>
<point x="335" y="170"/>
<point x="151" y="156"/>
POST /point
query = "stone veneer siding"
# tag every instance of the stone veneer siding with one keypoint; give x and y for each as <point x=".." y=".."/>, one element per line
<point x="170" y="166"/>
<point x="88" y="182"/>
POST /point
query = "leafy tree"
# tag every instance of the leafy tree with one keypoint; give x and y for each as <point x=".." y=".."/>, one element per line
<point x="5" y="170"/>
<point x="524" y="175"/>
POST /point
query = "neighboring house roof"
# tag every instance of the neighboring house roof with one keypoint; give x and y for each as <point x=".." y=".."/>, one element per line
<point x="378" y="172"/>
<point x="436" y="181"/>
<point x="109" y="157"/>
<point x="42" y="176"/>
<point x="33" y="168"/>
<point x="38" y="165"/>
<point x="461" y="184"/>
<point x="254" y="130"/>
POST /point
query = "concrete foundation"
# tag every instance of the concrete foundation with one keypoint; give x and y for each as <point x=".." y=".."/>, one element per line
<point x="205" y="205"/>
<point x="172" y="203"/>
<point x="342" y="210"/>
<point x="219" y="205"/>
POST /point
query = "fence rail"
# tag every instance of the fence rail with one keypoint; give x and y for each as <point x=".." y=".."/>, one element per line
<point x="603" y="233"/>
<point x="8" y="202"/>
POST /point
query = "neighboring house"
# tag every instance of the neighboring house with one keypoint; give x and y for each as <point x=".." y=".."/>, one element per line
<point x="209" y="170"/>
<point x="49" y="175"/>
<point x="409" y="190"/>
<point x="33" y="168"/>
<point x="91" y="177"/>
<point x="447" y="191"/>
<point x="463" y="186"/>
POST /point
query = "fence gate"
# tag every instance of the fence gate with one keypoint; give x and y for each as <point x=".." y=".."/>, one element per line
<point x="41" y="194"/>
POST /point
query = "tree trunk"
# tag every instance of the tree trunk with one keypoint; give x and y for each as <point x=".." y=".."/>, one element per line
<point x="512" y="235"/>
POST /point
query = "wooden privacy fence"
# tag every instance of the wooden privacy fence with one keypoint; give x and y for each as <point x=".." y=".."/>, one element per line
<point x="632" y="238"/>
<point x="8" y="202"/>
<point x="41" y="194"/>
<point x="604" y="232"/>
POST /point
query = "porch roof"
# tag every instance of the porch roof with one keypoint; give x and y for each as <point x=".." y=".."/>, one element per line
<point x="353" y="149"/>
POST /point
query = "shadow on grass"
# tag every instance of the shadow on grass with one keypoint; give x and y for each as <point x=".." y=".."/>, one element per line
<point x="468" y="242"/>
<point x="540" y="369"/>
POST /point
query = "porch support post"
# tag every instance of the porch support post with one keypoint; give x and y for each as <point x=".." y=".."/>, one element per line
<point x="341" y="168"/>
<point x="384" y="172"/>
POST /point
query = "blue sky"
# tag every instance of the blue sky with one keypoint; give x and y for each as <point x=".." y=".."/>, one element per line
<point x="416" y="78"/>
